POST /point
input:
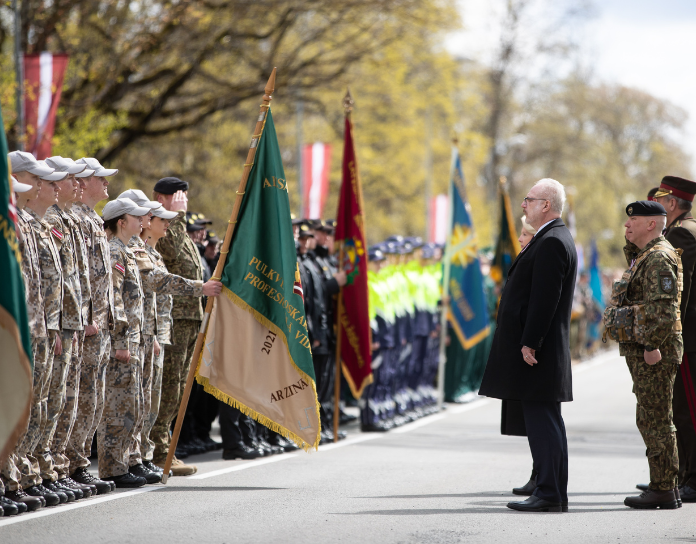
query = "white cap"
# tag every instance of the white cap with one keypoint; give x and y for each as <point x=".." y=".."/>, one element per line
<point x="137" y="196"/>
<point x="123" y="205"/>
<point x="163" y="213"/>
<point x="62" y="164"/>
<point x="26" y="162"/>
<point x="85" y="173"/>
<point x="54" y="176"/>
<point x="18" y="187"/>
<point x="99" y="170"/>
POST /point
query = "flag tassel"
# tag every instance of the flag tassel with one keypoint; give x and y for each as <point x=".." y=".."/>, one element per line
<point x="258" y="130"/>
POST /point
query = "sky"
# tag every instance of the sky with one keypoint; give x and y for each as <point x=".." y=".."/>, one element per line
<point x="646" y="44"/>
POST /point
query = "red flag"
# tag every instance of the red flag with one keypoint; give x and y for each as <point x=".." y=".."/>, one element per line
<point x="353" y="312"/>
<point x="316" y="165"/>
<point x="42" y="87"/>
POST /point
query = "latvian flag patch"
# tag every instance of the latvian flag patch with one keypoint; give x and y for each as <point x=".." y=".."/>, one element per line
<point x="57" y="233"/>
<point x="118" y="266"/>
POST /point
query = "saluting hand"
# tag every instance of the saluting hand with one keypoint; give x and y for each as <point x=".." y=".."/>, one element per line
<point x="212" y="288"/>
<point x="528" y="354"/>
<point x="179" y="202"/>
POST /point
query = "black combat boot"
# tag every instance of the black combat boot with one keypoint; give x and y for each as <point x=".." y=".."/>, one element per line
<point x="653" y="499"/>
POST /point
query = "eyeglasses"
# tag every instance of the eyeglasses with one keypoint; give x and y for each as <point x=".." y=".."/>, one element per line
<point x="528" y="200"/>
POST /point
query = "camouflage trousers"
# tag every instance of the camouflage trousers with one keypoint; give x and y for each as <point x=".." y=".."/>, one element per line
<point x="146" y="444"/>
<point x="177" y="360"/>
<point x="56" y="403"/>
<point x="653" y="387"/>
<point x="25" y="461"/>
<point x="90" y="402"/>
<point x="148" y="348"/>
<point x="66" y="421"/>
<point x="122" y="406"/>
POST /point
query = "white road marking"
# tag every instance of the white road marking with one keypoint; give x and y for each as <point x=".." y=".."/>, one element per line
<point x="250" y="464"/>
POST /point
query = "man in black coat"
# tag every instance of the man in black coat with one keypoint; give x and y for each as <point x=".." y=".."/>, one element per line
<point x="530" y="357"/>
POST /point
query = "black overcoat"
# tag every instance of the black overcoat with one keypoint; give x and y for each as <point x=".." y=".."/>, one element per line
<point x="535" y="311"/>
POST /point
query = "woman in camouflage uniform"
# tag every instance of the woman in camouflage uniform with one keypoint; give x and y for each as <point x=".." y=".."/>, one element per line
<point x="123" y="400"/>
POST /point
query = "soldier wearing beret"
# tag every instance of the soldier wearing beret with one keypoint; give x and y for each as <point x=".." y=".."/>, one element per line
<point x="677" y="195"/>
<point x="643" y="316"/>
<point x="181" y="257"/>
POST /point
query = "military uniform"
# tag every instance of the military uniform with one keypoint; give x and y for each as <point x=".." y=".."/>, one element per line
<point x="155" y="281"/>
<point x="22" y="468"/>
<point x="123" y="397"/>
<point x="181" y="257"/>
<point x="97" y="347"/>
<point x="52" y="290"/>
<point x="65" y="374"/>
<point x="644" y="315"/>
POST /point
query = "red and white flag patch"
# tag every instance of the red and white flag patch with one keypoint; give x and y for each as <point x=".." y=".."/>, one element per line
<point x="57" y="233"/>
<point x="118" y="266"/>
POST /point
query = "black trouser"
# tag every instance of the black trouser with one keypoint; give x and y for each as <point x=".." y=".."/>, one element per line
<point x="230" y="427"/>
<point x="324" y="371"/>
<point x="547" y="440"/>
<point x="683" y="404"/>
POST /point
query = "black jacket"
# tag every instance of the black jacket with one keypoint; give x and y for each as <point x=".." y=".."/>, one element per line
<point x="314" y="299"/>
<point x="682" y="234"/>
<point x="535" y="311"/>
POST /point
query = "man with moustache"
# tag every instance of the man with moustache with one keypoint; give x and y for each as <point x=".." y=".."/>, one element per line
<point x="530" y="356"/>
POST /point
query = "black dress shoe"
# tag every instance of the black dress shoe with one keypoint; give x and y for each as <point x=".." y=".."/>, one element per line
<point x="195" y="446"/>
<point x="643" y="487"/>
<point x="82" y="476"/>
<point x="181" y="452"/>
<point x="376" y="428"/>
<point x="210" y="444"/>
<point x="53" y="488"/>
<point x="270" y="449"/>
<point x="152" y="467"/>
<point x="150" y="477"/>
<point x="688" y="494"/>
<point x="242" y="451"/>
<point x="7" y="503"/>
<point x="128" y="480"/>
<point x="535" y="504"/>
<point x="40" y="491"/>
<point x="527" y="489"/>
<point x="32" y="503"/>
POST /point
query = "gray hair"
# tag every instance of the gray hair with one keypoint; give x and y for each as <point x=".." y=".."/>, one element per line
<point x="661" y="222"/>
<point x="683" y="205"/>
<point x="526" y="226"/>
<point x="554" y="192"/>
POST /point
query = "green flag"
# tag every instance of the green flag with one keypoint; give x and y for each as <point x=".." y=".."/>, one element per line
<point x="256" y="354"/>
<point x="15" y="342"/>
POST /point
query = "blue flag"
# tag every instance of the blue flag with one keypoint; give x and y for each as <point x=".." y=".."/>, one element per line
<point x="468" y="310"/>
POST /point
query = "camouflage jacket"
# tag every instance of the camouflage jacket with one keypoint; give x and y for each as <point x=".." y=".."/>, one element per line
<point x="63" y="234"/>
<point x="31" y="269"/>
<point x="83" y="265"/>
<point x="128" y="296"/>
<point x="181" y="257"/>
<point x="99" y="260"/>
<point x="656" y="285"/>
<point x="51" y="271"/>
<point x="156" y="280"/>
<point x="163" y="303"/>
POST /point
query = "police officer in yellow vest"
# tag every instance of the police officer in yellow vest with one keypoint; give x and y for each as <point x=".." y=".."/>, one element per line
<point x="643" y="316"/>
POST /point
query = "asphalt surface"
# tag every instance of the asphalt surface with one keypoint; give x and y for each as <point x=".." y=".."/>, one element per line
<point x="444" y="479"/>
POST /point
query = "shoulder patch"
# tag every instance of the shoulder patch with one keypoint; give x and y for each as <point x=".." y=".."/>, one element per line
<point x="118" y="266"/>
<point x="666" y="281"/>
<point x="56" y="233"/>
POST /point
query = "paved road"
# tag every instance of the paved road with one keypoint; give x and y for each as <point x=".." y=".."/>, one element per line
<point x="444" y="479"/>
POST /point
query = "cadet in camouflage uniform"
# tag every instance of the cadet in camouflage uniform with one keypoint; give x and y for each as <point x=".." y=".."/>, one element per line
<point x="97" y="343"/>
<point x="123" y="401"/>
<point x="644" y="318"/>
<point x="181" y="257"/>
<point x="65" y="373"/>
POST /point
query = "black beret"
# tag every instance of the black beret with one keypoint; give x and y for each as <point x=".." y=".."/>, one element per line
<point x="170" y="185"/>
<point x="645" y="208"/>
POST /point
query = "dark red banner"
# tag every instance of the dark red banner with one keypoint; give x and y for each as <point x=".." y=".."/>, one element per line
<point x="353" y="313"/>
<point x="43" y="83"/>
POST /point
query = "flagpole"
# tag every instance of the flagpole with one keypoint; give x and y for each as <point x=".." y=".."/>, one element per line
<point x="347" y="109"/>
<point x="217" y="275"/>
<point x="445" y="289"/>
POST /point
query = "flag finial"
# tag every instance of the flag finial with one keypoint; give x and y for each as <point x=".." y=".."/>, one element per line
<point x="270" y="87"/>
<point x="348" y="102"/>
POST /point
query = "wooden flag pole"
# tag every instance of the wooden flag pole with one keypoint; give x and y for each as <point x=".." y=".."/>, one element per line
<point x="217" y="275"/>
<point x="347" y="108"/>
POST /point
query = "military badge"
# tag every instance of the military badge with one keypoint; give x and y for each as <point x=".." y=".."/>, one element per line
<point x="666" y="283"/>
<point x="630" y="210"/>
